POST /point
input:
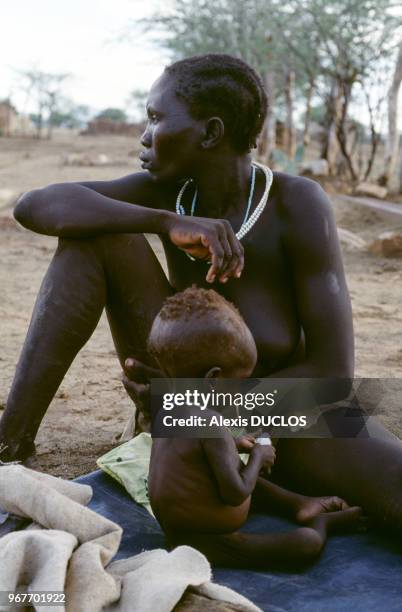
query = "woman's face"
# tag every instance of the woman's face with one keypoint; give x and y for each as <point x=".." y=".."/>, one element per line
<point x="172" y="138"/>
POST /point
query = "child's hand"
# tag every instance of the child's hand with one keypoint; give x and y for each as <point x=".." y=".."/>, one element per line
<point x="244" y="444"/>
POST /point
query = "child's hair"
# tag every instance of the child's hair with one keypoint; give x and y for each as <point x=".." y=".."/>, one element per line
<point x="197" y="329"/>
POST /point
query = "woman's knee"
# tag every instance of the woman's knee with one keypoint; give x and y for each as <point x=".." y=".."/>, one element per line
<point x="112" y="240"/>
<point x="120" y="245"/>
<point x="112" y="253"/>
<point x="309" y="544"/>
<point x="79" y="250"/>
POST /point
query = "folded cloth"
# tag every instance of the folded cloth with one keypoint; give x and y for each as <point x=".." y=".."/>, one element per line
<point x="3" y="516"/>
<point x="129" y="465"/>
<point x="74" y="551"/>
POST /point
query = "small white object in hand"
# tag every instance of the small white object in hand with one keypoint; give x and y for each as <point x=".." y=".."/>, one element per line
<point x="264" y="441"/>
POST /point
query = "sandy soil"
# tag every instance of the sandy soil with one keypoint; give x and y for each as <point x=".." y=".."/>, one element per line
<point x="91" y="407"/>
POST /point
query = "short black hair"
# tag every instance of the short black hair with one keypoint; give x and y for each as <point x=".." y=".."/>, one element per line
<point x="186" y="349"/>
<point x="223" y="85"/>
<point x="196" y="302"/>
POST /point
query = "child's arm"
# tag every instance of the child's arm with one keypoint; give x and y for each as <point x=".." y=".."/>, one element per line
<point x="235" y="482"/>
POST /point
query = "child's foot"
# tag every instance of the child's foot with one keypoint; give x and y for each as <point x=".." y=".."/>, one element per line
<point x="310" y="507"/>
<point x="343" y="521"/>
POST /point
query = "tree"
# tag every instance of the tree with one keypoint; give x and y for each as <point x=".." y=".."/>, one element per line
<point x="349" y="39"/>
<point x="70" y="115"/>
<point x="137" y="101"/>
<point x="44" y="90"/>
<point x="114" y="114"/>
<point x="392" y="144"/>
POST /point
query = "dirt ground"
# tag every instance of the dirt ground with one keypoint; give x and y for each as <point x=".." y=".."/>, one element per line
<point x="91" y="408"/>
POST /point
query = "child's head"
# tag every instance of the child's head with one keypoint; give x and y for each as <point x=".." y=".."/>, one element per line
<point x="198" y="333"/>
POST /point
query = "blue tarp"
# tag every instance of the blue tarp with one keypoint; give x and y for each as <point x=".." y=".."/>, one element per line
<point x="359" y="572"/>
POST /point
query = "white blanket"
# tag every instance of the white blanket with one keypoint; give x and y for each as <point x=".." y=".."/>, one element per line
<point x="69" y="548"/>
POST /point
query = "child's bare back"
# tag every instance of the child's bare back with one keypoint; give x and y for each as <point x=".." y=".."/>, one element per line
<point x="183" y="491"/>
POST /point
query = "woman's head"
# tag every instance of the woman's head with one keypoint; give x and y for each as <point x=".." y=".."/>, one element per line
<point x="197" y="333"/>
<point x="198" y="105"/>
<point x="225" y="86"/>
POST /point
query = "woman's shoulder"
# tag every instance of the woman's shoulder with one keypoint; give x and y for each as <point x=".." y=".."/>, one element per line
<point x="298" y="195"/>
<point x="291" y="185"/>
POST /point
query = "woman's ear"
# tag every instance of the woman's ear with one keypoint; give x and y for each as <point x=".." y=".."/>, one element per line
<point x="214" y="133"/>
<point x="215" y="372"/>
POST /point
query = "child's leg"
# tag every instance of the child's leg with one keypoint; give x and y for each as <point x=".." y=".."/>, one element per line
<point x="273" y="499"/>
<point x="298" y="547"/>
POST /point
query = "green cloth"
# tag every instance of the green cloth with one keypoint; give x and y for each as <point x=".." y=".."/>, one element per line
<point x="129" y="465"/>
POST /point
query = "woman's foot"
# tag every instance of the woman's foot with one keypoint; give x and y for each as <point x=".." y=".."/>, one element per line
<point x="309" y="507"/>
<point x="28" y="457"/>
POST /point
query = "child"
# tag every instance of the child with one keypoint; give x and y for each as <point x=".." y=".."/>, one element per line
<point x="199" y="490"/>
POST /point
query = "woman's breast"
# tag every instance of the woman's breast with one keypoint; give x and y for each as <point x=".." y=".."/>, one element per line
<point x="272" y="318"/>
<point x="275" y="347"/>
<point x="264" y="295"/>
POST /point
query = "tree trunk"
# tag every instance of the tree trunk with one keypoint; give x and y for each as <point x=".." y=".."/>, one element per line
<point x="307" y="117"/>
<point x="51" y="110"/>
<point x="341" y="128"/>
<point x="50" y="124"/>
<point x="334" y="112"/>
<point x="392" y="144"/>
<point x="39" y="124"/>
<point x="400" y="175"/>
<point x="290" y="130"/>
<point x="374" y="137"/>
<point x="267" y="141"/>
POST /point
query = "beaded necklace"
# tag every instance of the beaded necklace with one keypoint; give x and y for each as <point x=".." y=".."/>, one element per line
<point x="248" y="222"/>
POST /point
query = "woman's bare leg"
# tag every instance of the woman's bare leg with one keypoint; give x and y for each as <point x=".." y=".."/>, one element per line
<point x="272" y="550"/>
<point x="118" y="271"/>
<point x="364" y="471"/>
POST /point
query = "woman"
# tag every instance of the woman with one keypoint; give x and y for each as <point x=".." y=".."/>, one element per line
<point x="204" y="115"/>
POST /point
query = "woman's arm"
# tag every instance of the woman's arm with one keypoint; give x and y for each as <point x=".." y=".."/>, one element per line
<point x="76" y="210"/>
<point x="132" y="204"/>
<point x="311" y="246"/>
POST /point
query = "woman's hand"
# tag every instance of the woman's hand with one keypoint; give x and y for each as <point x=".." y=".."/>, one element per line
<point x="211" y="240"/>
<point x="136" y="380"/>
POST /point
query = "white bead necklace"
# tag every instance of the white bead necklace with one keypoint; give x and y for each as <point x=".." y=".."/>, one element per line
<point x="248" y="222"/>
